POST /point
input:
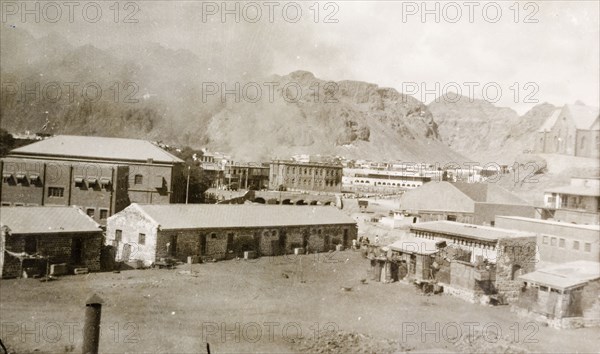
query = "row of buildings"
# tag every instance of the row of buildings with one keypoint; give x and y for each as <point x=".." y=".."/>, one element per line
<point x="34" y="238"/>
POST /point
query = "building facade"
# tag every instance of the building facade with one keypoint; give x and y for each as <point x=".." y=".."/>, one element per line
<point x="578" y="202"/>
<point x="572" y="130"/>
<point x="150" y="232"/>
<point x="100" y="175"/>
<point x="33" y="237"/>
<point x="305" y="176"/>
<point x="376" y="181"/>
<point x="558" y="242"/>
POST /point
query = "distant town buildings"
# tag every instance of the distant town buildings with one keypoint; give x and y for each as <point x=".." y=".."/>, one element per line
<point x="34" y="237"/>
<point x="100" y="175"/>
<point x="380" y="181"/>
<point x="302" y="176"/>
<point x="151" y="232"/>
<point x="572" y="130"/>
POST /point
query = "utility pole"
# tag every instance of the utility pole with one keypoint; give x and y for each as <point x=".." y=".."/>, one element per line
<point x="187" y="188"/>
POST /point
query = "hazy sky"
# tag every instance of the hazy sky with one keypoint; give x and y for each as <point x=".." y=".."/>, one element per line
<point x="553" y="45"/>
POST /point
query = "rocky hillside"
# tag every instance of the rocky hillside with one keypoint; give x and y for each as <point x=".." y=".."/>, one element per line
<point x="152" y="92"/>
<point x="484" y="132"/>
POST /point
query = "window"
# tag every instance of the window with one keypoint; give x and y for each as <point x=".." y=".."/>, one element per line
<point x="561" y="243"/>
<point x="5" y="204"/>
<point x="587" y="247"/>
<point x="553" y="241"/>
<point x="90" y="212"/>
<point x="103" y="214"/>
<point x="142" y="239"/>
<point x="118" y="235"/>
<point x="545" y="240"/>
<point x="57" y="192"/>
<point x="213" y="236"/>
<point x="138" y="179"/>
<point x="576" y="245"/>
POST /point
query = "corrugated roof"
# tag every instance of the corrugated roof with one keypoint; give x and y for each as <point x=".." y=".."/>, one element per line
<point x="94" y="147"/>
<point x="552" y="222"/>
<point x="477" y="232"/>
<point x="583" y="116"/>
<point x="194" y="216"/>
<point x="576" y="190"/>
<point x="565" y="275"/>
<point x="40" y="220"/>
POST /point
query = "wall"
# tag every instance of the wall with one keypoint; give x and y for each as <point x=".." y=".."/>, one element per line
<point x="548" y="252"/>
<point x="426" y="215"/>
<point x="516" y="256"/>
<point x="132" y="222"/>
<point x="58" y="248"/>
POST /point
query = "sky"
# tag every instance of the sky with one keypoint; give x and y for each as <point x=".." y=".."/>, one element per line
<point x="514" y="53"/>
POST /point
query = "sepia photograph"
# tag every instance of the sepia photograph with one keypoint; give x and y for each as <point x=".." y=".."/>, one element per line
<point x="309" y="176"/>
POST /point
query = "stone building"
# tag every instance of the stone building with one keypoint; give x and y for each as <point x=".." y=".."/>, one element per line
<point x="100" y="175"/>
<point x="414" y="257"/>
<point x="563" y="295"/>
<point x="305" y="176"/>
<point x="151" y="232"/>
<point x="473" y="203"/>
<point x="578" y="202"/>
<point x="558" y="242"/>
<point x="480" y="260"/>
<point x="33" y="237"/>
<point x="571" y="130"/>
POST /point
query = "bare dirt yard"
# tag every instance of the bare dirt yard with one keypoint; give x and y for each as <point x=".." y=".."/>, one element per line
<point x="309" y="303"/>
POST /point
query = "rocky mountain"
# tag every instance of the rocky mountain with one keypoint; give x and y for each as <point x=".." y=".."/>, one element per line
<point x="152" y="92"/>
<point x="484" y="132"/>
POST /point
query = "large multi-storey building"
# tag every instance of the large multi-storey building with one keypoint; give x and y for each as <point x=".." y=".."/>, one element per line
<point x="100" y="175"/>
<point x="305" y="176"/>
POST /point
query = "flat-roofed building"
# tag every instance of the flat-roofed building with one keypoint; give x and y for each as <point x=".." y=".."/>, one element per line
<point x="565" y="295"/>
<point x="150" y="232"/>
<point x="32" y="237"/>
<point x="480" y="260"/>
<point x="558" y="242"/>
<point x="100" y="175"/>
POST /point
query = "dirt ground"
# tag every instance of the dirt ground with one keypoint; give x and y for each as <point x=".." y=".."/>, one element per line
<point x="310" y="303"/>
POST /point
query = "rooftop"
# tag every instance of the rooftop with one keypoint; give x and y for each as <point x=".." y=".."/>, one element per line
<point x="565" y="275"/>
<point x="195" y="216"/>
<point x="97" y="148"/>
<point x="552" y="222"/>
<point x="47" y="219"/>
<point x="416" y="245"/>
<point x="483" y="233"/>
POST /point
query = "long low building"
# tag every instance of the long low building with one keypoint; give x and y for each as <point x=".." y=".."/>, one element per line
<point x="558" y="242"/>
<point x="33" y="237"/>
<point x="149" y="232"/>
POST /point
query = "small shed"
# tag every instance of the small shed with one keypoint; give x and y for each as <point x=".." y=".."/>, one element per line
<point x="33" y="237"/>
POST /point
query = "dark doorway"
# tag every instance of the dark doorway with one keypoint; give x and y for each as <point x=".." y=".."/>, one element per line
<point x="451" y="218"/>
<point x="345" y="239"/>
<point x="282" y="241"/>
<point x="257" y="242"/>
<point x="202" y="251"/>
<point x="414" y="220"/>
<point x="172" y="247"/>
<point x="76" y="251"/>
